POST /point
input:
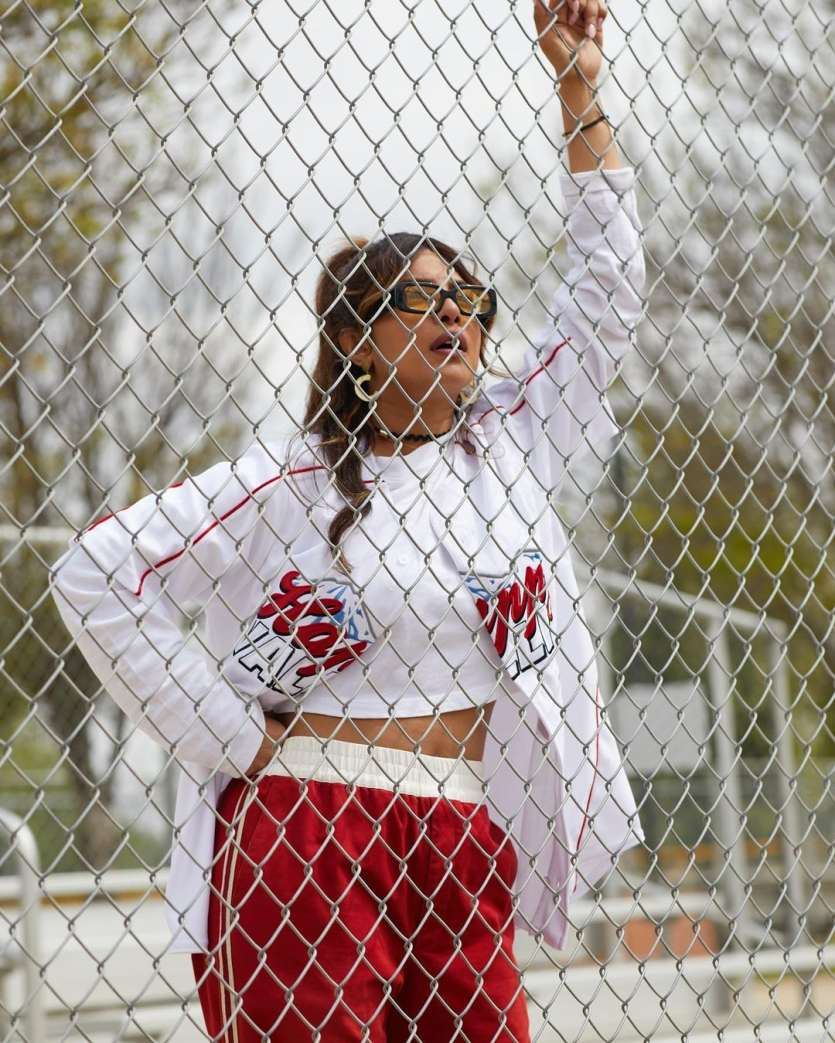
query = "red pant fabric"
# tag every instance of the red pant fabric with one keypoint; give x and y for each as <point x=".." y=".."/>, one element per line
<point x="367" y="915"/>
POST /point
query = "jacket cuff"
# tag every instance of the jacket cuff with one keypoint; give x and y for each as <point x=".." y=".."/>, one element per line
<point x="576" y="184"/>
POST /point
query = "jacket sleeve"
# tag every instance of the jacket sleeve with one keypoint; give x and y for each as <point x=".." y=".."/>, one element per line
<point x="123" y="583"/>
<point x="558" y="406"/>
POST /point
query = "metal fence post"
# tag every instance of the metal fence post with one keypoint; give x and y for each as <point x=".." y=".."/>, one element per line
<point x="31" y="1015"/>
<point x="728" y="820"/>
<point x="791" y="828"/>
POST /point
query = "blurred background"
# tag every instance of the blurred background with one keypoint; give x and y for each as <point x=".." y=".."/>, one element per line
<point x="171" y="175"/>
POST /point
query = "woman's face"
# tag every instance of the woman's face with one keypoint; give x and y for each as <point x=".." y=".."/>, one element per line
<point x="400" y="352"/>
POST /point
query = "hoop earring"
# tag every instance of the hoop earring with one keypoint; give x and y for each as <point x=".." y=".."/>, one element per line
<point x="469" y="395"/>
<point x="359" y="391"/>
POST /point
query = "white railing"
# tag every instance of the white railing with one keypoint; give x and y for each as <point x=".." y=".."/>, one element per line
<point x="21" y="946"/>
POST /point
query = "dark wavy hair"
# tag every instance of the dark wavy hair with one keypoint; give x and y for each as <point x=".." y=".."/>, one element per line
<point x="354" y="279"/>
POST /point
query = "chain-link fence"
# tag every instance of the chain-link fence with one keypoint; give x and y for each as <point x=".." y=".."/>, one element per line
<point x="175" y="178"/>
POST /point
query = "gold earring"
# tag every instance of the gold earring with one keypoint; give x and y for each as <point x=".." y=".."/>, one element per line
<point x="360" y="391"/>
<point x="469" y="395"/>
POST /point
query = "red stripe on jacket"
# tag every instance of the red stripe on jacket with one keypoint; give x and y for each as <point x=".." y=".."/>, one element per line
<point x="529" y="378"/>
<point x="172" y="557"/>
<point x="107" y="517"/>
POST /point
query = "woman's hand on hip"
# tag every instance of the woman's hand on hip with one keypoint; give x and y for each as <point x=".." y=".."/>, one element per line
<point x="571" y="35"/>
<point x="274" y="731"/>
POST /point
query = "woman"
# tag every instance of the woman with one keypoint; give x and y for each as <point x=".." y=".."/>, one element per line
<point x="406" y="699"/>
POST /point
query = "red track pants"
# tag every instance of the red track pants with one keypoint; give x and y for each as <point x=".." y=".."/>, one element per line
<point x="374" y="911"/>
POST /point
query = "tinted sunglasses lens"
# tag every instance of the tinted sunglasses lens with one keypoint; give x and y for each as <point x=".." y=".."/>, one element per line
<point x="470" y="299"/>
<point x="474" y="300"/>
<point x="416" y="297"/>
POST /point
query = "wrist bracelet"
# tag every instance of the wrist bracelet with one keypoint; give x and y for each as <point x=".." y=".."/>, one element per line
<point x="588" y="126"/>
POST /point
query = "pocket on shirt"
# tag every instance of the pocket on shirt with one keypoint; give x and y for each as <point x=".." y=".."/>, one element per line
<point x="313" y="623"/>
<point x="516" y="608"/>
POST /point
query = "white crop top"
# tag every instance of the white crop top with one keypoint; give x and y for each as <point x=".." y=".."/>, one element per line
<point x="426" y="651"/>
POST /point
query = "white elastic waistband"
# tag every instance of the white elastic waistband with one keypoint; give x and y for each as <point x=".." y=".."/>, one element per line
<point x="380" y="767"/>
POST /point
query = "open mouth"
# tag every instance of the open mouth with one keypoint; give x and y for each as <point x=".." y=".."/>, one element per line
<point x="449" y="344"/>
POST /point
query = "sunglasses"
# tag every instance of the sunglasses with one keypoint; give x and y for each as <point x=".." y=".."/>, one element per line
<point x="419" y="296"/>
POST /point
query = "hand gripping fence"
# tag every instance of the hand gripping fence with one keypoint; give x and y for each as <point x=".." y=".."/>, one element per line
<point x="589" y="617"/>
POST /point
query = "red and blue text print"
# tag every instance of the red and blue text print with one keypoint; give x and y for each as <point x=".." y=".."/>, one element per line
<point x="516" y="610"/>
<point x="304" y="630"/>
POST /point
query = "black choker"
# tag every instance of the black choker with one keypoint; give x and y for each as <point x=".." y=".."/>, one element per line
<point x="412" y="438"/>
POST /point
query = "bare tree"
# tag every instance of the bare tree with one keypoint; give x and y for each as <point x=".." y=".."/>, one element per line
<point x="117" y="349"/>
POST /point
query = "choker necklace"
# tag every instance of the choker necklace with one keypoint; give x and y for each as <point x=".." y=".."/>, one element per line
<point x="412" y="438"/>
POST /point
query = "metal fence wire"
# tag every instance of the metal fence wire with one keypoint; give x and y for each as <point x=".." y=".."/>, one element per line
<point x="597" y="601"/>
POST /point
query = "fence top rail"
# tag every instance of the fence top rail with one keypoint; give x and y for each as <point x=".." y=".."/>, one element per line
<point x="671" y="597"/>
<point x="772" y="962"/>
<point x="138" y="883"/>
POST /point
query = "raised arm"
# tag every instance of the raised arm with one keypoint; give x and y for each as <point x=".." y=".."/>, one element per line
<point x="557" y="407"/>
<point x="121" y="587"/>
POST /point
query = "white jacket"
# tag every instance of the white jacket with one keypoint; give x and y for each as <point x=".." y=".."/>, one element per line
<point x="474" y="598"/>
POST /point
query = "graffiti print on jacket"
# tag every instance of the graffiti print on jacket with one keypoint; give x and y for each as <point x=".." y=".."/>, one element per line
<point x="303" y="630"/>
<point x="517" y="612"/>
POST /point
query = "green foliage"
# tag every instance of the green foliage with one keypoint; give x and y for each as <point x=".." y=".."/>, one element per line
<point x="711" y="521"/>
<point x="727" y="473"/>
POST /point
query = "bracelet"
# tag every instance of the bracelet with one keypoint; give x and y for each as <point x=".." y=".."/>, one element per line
<point x="588" y="126"/>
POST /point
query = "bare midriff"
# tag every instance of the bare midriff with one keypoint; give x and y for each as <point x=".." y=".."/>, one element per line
<point x="457" y="733"/>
